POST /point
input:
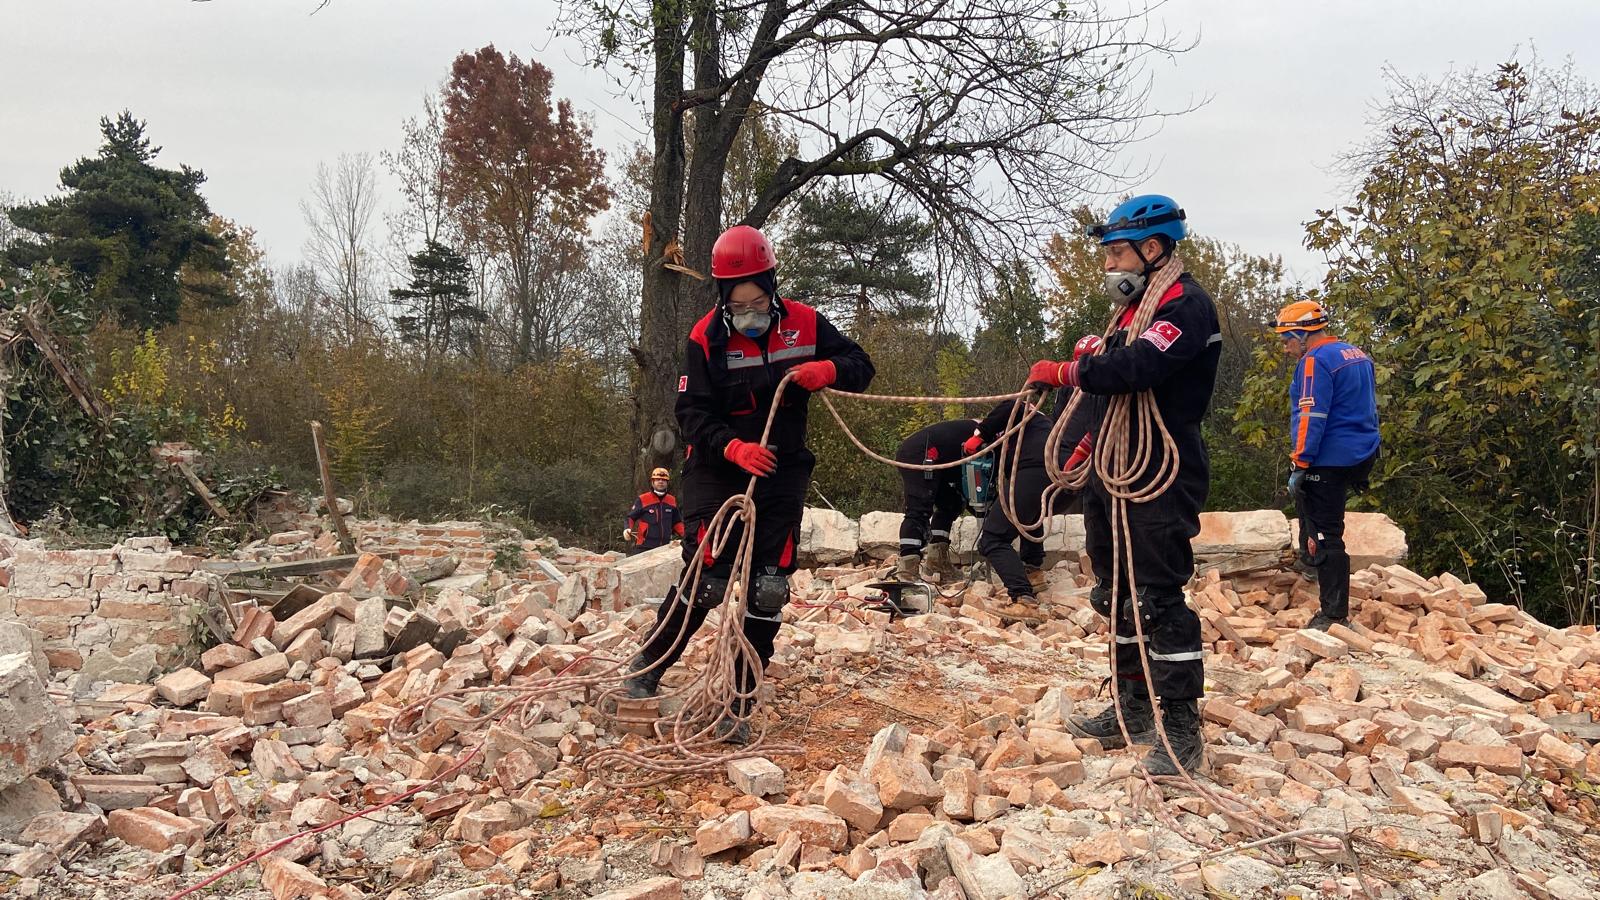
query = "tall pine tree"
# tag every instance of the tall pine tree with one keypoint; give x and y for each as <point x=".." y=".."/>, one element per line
<point x="857" y="259"/>
<point x="126" y="228"/>
<point x="437" y="302"/>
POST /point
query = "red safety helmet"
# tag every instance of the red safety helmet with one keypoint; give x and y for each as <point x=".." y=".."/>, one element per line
<point x="740" y="252"/>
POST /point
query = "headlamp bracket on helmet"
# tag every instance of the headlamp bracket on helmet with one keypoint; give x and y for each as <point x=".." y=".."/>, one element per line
<point x="1098" y="231"/>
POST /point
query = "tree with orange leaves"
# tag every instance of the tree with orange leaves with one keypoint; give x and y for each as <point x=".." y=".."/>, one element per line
<point x="523" y="178"/>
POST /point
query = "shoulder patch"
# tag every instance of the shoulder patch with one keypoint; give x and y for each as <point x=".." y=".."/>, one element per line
<point x="1162" y="334"/>
<point x="683" y="383"/>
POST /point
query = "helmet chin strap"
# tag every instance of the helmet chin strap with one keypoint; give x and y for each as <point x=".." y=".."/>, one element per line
<point x="1150" y="265"/>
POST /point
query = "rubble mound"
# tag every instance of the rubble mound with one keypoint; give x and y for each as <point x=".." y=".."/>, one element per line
<point x="1441" y="745"/>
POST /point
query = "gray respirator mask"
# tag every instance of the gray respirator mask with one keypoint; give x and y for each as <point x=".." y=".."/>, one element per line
<point x="752" y="324"/>
<point x="1124" y="287"/>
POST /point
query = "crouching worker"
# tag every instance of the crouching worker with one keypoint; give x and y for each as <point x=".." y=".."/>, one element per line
<point x="1021" y="567"/>
<point x="933" y="498"/>
<point x="735" y="357"/>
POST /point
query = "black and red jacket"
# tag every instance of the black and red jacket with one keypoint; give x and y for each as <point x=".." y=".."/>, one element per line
<point x="728" y="381"/>
<point x="1175" y="358"/>
<point x="655" y="520"/>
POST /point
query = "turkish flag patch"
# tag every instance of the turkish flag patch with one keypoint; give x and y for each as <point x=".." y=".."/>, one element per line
<point x="683" y="383"/>
<point x="1163" y="335"/>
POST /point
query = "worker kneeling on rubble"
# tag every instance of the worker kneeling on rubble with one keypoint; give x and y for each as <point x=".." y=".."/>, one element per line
<point x="735" y="357"/>
<point x="1175" y="358"/>
<point x="1333" y="416"/>
<point x="1016" y="558"/>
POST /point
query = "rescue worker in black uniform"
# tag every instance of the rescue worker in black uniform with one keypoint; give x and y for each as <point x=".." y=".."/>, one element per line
<point x="1021" y="569"/>
<point x="654" y="518"/>
<point x="1176" y="359"/>
<point x="735" y="357"/>
<point x="933" y="498"/>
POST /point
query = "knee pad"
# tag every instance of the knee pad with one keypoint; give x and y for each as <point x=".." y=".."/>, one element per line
<point x="769" y="594"/>
<point x="1154" y="606"/>
<point x="713" y="588"/>
<point x="1100" y="599"/>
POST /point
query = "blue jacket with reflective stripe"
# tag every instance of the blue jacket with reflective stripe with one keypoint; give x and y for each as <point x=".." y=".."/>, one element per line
<point x="1333" y="418"/>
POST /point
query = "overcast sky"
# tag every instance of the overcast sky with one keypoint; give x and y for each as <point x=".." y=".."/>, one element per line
<point x="257" y="92"/>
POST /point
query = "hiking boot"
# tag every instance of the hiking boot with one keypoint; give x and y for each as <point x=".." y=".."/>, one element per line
<point x="1181" y="719"/>
<point x="642" y="685"/>
<point x="1024" y="609"/>
<point x="908" y="567"/>
<point x="938" y="561"/>
<point x="1035" y="578"/>
<point x="1320" y="622"/>
<point x="1134" y="698"/>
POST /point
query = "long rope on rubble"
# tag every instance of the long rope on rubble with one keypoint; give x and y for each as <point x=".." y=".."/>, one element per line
<point x="727" y="688"/>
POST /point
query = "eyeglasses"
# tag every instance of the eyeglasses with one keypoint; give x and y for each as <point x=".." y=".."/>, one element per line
<point x="760" y="305"/>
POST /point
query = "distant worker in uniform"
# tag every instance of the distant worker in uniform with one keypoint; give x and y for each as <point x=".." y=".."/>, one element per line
<point x="1019" y="560"/>
<point x="933" y="498"/>
<point x="654" y="519"/>
<point x="734" y="359"/>
<point x="1175" y="358"/>
<point x="1333" y="424"/>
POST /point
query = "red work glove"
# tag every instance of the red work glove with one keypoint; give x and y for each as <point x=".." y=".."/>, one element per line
<point x="815" y="375"/>
<point x="1051" y="374"/>
<point x="971" y="444"/>
<point x="1080" y="453"/>
<point x="1088" y="345"/>
<point x="753" y="458"/>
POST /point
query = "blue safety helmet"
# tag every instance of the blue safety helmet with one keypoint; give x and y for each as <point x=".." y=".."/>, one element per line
<point x="1144" y="216"/>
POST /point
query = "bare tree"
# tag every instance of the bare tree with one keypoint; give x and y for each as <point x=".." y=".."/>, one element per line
<point x="340" y="249"/>
<point x="419" y="167"/>
<point x="993" y="116"/>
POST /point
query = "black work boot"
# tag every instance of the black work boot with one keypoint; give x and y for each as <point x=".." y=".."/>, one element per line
<point x="643" y="685"/>
<point x="734" y="729"/>
<point x="1181" y="719"/>
<point x="1134" y="698"/>
<point x="1320" y="622"/>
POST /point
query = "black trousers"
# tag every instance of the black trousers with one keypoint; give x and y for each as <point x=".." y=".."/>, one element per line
<point x="780" y="503"/>
<point x="933" y="501"/>
<point x="997" y="542"/>
<point x="1320" y="505"/>
<point x="1163" y="563"/>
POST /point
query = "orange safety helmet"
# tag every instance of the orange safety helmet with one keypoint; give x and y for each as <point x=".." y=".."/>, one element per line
<point x="740" y="252"/>
<point x="1301" y="315"/>
<point x="659" y="472"/>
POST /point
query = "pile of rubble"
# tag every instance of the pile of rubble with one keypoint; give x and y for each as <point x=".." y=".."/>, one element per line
<point x="1447" y="741"/>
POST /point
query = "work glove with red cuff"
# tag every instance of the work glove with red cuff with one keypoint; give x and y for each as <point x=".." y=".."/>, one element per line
<point x="1088" y="345"/>
<point x="1051" y="374"/>
<point x="971" y="444"/>
<point x="815" y="375"/>
<point x="1080" y="453"/>
<point x="753" y="458"/>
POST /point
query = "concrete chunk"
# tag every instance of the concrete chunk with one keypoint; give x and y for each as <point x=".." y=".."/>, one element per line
<point x="33" y="733"/>
<point x="756" y="776"/>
